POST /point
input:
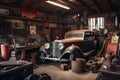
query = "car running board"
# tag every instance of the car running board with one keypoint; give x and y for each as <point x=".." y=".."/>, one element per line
<point x="56" y="59"/>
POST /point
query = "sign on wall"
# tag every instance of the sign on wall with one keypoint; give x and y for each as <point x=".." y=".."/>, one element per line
<point x="29" y="13"/>
<point x="4" y="12"/>
<point x="32" y="29"/>
<point x="52" y="25"/>
<point x="16" y="24"/>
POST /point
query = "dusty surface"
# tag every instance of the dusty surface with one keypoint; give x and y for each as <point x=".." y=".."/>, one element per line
<point x="56" y="73"/>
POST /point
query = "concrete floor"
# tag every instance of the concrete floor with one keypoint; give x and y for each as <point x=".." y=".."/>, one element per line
<point x="56" y="73"/>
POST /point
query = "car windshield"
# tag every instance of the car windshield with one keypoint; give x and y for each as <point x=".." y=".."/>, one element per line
<point x="74" y="35"/>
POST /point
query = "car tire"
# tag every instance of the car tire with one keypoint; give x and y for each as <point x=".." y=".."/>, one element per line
<point x="42" y="57"/>
<point x="69" y="57"/>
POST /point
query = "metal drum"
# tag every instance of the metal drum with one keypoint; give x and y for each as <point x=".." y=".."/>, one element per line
<point x="78" y="66"/>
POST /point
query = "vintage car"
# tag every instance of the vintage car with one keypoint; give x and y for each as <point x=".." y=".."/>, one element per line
<point x="76" y="44"/>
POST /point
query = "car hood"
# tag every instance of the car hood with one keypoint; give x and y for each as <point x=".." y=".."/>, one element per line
<point x="71" y="40"/>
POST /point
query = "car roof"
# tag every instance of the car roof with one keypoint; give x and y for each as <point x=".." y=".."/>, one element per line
<point x="75" y="31"/>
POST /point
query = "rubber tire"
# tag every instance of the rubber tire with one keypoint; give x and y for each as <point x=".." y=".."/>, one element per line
<point x="42" y="60"/>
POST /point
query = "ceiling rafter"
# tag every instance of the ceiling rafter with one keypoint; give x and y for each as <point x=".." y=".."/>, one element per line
<point x="84" y="4"/>
<point x="19" y="6"/>
<point x="98" y="6"/>
<point x="75" y="7"/>
<point x="35" y="1"/>
<point x="111" y="5"/>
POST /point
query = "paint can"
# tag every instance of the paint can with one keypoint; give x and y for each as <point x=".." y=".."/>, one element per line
<point x="5" y="51"/>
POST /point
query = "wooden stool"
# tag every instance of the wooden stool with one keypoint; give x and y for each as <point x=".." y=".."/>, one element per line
<point x="64" y="67"/>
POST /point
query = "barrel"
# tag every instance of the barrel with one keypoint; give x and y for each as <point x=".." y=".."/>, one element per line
<point x="78" y="66"/>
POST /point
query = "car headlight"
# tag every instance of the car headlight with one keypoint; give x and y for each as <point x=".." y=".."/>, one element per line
<point x="47" y="45"/>
<point x="60" y="46"/>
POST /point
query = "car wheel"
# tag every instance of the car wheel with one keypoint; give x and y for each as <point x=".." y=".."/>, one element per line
<point x="42" y="57"/>
<point x="65" y="58"/>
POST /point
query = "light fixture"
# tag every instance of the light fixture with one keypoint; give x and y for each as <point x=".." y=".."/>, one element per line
<point x="57" y="4"/>
<point x="78" y="14"/>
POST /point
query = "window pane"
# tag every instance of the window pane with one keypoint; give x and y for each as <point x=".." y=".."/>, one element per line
<point x="96" y="23"/>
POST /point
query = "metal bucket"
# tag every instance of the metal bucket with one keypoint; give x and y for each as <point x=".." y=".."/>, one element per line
<point x="78" y="66"/>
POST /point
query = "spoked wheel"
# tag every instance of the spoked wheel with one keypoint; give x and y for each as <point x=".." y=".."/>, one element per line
<point x="42" y="57"/>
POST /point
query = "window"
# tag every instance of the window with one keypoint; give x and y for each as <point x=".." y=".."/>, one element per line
<point x="96" y="23"/>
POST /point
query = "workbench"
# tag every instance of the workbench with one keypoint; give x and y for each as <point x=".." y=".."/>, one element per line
<point x="16" y="72"/>
<point x="106" y="74"/>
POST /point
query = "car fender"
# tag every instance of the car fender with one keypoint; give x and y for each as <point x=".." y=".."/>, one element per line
<point x="43" y="50"/>
<point x="73" y="51"/>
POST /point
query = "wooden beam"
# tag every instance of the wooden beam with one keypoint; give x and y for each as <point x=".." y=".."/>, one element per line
<point x="98" y="6"/>
<point x="19" y="6"/>
<point x="19" y="1"/>
<point x="74" y="6"/>
<point x="111" y="5"/>
<point x="84" y="4"/>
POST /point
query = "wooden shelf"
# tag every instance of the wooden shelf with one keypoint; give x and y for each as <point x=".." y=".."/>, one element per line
<point x="26" y="19"/>
<point x="20" y="18"/>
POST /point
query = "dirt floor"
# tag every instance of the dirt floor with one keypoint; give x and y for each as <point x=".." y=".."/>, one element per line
<point x="54" y="71"/>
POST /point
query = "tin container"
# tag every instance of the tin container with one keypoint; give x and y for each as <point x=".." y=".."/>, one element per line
<point x="5" y="51"/>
